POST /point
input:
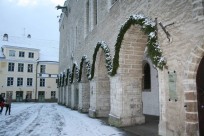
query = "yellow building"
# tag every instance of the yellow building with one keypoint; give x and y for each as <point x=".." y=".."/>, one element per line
<point x="27" y="70"/>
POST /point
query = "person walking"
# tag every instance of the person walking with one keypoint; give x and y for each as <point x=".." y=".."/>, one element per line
<point x="1" y="103"/>
<point x="8" y="105"/>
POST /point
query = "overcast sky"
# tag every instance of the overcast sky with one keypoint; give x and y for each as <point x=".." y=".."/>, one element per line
<point x="35" y="17"/>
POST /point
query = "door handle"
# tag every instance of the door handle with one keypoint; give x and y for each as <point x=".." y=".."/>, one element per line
<point x="202" y="106"/>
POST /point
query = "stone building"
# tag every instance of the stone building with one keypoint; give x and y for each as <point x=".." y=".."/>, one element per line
<point x="28" y="69"/>
<point x="125" y="59"/>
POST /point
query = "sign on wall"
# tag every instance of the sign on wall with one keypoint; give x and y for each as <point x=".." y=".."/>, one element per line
<point x="172" y="85"/>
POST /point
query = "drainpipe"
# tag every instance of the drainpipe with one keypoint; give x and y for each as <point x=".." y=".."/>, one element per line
<point x="36" y="81"/>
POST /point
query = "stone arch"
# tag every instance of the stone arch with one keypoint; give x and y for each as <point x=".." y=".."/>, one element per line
<point x="100" y="88"/>
<point x="126" y="86"/>
<point x="190" y="90"/>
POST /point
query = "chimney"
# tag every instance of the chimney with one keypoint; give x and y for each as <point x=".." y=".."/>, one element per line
<point x="29" y="36"/>
<point x="5" y="37"/>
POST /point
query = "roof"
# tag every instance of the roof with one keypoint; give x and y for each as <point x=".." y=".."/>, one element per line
<point x="49" y="49"/>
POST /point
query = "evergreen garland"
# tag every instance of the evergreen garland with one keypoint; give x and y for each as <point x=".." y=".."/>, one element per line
<point x="153" y="50"/>
<point x="71" y="75"/>
<point x="149" y="28"/>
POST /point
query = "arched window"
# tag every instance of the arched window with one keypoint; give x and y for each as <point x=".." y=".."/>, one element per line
<point x="147" y="77"/>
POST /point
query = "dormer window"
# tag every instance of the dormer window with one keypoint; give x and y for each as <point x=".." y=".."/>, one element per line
<point x="5" y="37"/>
<point x="12" y="53"/>
<point x="30" y="55"/>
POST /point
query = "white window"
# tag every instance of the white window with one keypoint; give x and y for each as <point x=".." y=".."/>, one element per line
<point x="19" y="81"/>
<point x="42" y="68"/>
<point x="42" y="82"/>
<point x="21" y="54"/>
<point x="12" y="53"/>
<point x="20" y="67"/>
<point x="30" y="67"/>
<point x="9" y="81"/>
<point x="30" y="55"/>
<point x="53" y="94"/>
<point x="11" y="66"/>
<point x="29" y="81"/>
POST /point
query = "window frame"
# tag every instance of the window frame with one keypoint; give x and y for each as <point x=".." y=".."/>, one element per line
<point x="29" y="81"/>
<point x="11" y="66"/>
<point x="30" y="68"/>
<point x="19" y="81"/>
<point x="21" y="54"/>
<point x="10" y="81"/>
<point x="42" y="68"/>
<point x="30" y="54"/>
<point x="12" y="53"/>
<point x="53" y="95"/>
<point x="20" y="67"/>
<point x="42" y="82"/>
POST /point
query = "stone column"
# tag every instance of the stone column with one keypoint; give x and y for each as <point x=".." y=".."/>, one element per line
<point x="99" y="98"/>
<point x="126" y="104"/>
<point x="84" y="97"/>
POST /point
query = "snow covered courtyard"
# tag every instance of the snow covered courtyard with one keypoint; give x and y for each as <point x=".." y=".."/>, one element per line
<point x="51" y="119"/>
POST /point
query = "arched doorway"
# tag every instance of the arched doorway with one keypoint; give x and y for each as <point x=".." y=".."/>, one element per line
<point x="150" y="89"/>
<point x="200" y="96"/>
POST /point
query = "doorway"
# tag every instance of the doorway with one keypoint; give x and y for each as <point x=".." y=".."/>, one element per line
<point x="19" y="96"/>
<point x="41" y="96"/>
<point x="200" y="96"/>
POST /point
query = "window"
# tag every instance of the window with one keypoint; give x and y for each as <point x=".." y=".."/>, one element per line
<point x="11" y="66"/>
<point x="95" y="12"/>
<point x="30" y="67"/>
<point x="53" y="94"/>
<point x="30" y="55"/>
<point x="147" y="77"/>
<point x="42" y="68"/>
<point x="19" y="81"/>
<point x="12" y="53"/>
<point x="21" y="54"/>
<point x="29" y="81"/>
<point x="9" y="81"/>
<point x="42" y="82"/>
<point x="20" y="67"/>
<point x="87" y="16"/>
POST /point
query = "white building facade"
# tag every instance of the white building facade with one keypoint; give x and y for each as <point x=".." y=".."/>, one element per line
<point x="125" y="59"/>
<point x="23" y="75"/>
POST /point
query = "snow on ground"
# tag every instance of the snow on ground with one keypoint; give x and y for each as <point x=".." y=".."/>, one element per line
<point x="51" y="119"/>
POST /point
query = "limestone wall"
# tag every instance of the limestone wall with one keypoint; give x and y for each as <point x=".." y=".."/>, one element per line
<point x="182" y="50"/>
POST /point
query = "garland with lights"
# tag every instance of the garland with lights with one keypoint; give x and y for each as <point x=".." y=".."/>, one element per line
<point x="153" y="49"/>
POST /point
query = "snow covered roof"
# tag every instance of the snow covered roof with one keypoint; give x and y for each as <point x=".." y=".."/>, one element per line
<point x="49" y="49"/>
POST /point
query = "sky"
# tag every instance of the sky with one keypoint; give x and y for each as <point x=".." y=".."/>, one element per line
<point x="36" y="17"/>
<point x="51" y="119"/>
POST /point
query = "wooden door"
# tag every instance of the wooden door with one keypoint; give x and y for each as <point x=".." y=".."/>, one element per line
<point x="41" y="96"/>
<point x="200" y="96"/>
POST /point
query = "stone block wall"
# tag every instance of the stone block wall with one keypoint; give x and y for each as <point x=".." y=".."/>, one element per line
<point x="183" y="53"/>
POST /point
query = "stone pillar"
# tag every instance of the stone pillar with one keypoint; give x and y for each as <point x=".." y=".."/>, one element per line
<point x="74" y="96"/>
<point x="58" y="95"/>
<point x="69" y="96"/>
<point x="84" y="97"/>
<point x="99" y="98"/>
<point x="126" y="104"/>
